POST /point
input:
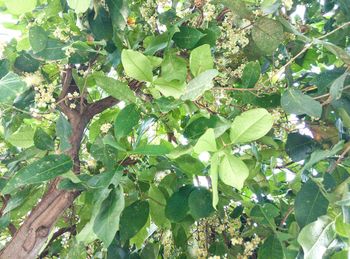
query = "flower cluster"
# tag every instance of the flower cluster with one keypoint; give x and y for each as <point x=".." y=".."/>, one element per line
<point x="233" y="38"/>
<point x="148" y="13"/>
<point x="105" y="127"/>
<point x="44" y="96"/>
<point x="249" y="247"/>
<point x="62" y="34"/>
<point x="208" y="12"/>
<point x="33" y="79"/>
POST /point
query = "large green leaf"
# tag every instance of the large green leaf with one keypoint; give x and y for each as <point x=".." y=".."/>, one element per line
<point x="294" y="101"/>
<point x="126" y="120"/>
<point x="272" y="248"/>
<point x="173" y="88"/>
<point x="64" y="132"/>
<point x="115" y="88"/>
<point x="251" y="125"/>
<point x="251" y="74"/>
<point x="198" y="85"/>
<point x="174" y="68"/>
<point x="11" y="86"/>
<point x="42" y="170"/>
<point x="119" y="13"/>
<point x="309" y="204"/>
<point x="214" y="176"/>
<point x="80" y="6"/>
<point x="137" y="65"/>
<point x="133" y="218"/>
<point x="157" y="204"/>
<point x="23" y="137"/>
<point x="176" y="208"/>
<point x="20" y="6"/>
<point x="337" y="86"/>
<point x="267" y="34"/>
<point x="37" y="38"/>
<point x="42" y="140"/>
<point x="265" y="214"/>
<point x="200" y="203"/>
<point x="106" y="223"/>
<point x="187" y="37"/>
<point x="206" y="142"/>
<point x="201" y="59"/>
<point x="53" y="51"/>
<point x="316" y="237"/>
<point x="233" y="171"/>
<point x="299" y="147"/>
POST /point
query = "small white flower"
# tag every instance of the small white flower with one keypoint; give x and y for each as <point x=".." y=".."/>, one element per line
<point x="105" y="127"/>
<point x="72" y="106"/>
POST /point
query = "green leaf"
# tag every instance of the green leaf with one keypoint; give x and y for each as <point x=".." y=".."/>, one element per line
<point x="106" y="223"/>
<point x="309" y="204"/>
<point x="152" y="150"/>
<point x="119" y="13"/>
<point x="115" y="88"/>
<point x="294" y="101"/>
<point x="272" y="248"/>
<point x="37" y="38"/>
<point x="79" y="6"/>
<point x="238" y="7"/>
<point x="42" y="170"/>
<point x="299" y="147"/>
<point x="337" y="86"/>
<point x="187" y="37"/>
<point x="320" y="155"/>
<point x="173" y="88"/>
<point x="200" y="203"/>
<point x="206" y="142"/>
<point x="337" y="51"/>
<point x="176" y="208"/>
<point x="214" y="176"/>
<point x="20" y="6"/>
<point x="251" y="74"/>
<point x="201" y="59"/>
<point x="251" y="125"/>
<point x="53" y="51"/>
<point x="267" y="34"/>
<point x="126" y="120"/>
<point x="63" y="131"/>
<point x="157" y="204"/>
<point x="189" y="165"/>
<point x="42" y="140"/>
<point x="198" y="85"/>
<point x="101" y="24"/>
<point x="11" y="86"/>
<point x="23" y="137"/>
<point x="316" y="237"/>
<point x="137" y="65"/>
<point x="265" y="214"/>
<point x="133" y="218"/>
<point x="233" y="171"/>
<point x="174" y="68"/>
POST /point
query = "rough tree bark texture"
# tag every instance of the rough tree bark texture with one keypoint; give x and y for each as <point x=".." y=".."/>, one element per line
<point x="33" y="233"/>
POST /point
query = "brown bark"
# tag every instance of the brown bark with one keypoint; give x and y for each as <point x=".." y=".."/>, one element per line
<point x="33" y="233"/>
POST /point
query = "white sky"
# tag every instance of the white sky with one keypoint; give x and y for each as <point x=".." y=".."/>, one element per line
<point x="6" y="34"/>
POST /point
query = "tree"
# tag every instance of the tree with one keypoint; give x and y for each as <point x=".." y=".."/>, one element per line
<point x="175" y="129"/>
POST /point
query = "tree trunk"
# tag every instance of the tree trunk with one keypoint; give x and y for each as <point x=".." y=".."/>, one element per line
<point x="32" y="235"/>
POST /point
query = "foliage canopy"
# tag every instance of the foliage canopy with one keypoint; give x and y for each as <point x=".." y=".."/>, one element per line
<point x="175" y="129"/>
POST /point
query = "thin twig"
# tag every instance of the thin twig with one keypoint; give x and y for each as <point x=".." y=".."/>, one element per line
<point x="340" y="159"/>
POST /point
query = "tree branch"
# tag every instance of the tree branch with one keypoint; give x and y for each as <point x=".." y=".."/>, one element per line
<point x="100" y="105"/>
